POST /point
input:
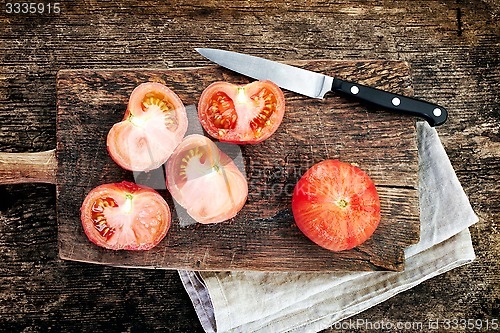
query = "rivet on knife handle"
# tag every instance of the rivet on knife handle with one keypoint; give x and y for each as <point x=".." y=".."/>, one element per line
<point x="434" y="114"/>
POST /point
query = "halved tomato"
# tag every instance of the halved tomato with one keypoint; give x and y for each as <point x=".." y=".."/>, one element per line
<point x="336" y="205"/>
<point x="205" y="181"/>
<point x="154" y="124"/>
<point x="125" y="216"/>
<point x="241" y="113"/>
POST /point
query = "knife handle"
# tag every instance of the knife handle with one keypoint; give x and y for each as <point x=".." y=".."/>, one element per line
<point x="434" y="114"/>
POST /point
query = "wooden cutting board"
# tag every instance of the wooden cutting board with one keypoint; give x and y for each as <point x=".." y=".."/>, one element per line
<point x="263" y="235"/>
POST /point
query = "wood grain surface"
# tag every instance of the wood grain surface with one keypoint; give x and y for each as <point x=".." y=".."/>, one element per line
<point x="263" y="236"/>
<point x="451" y="46"/>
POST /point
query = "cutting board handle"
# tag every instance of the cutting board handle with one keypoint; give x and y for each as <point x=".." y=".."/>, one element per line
<point x="16" y="168"/>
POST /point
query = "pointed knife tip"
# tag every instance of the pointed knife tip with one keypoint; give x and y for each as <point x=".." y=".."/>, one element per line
<point x="205" y="49"/>
<point x="202" y="50"/>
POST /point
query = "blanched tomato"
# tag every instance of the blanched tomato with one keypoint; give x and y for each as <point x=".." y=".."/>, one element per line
<point x="336" y="205"/>
<point x="241" y="113"/>
<point x="125" y="216"/>
<point x="205" y="181"/>
<point x="154" y="124"/>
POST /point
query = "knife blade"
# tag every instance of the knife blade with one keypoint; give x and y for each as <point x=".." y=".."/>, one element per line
<point x="316" y="85"/>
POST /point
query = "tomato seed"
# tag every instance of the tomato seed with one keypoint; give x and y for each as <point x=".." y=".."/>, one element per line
<point x="221" y="112"/>
<point x="168" y="110"/>
<point x="263" y="118"/>
<point x="100" y="222"/>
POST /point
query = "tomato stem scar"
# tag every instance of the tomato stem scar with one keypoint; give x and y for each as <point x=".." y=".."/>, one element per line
<point x="342" y="203"/>
<point x="127" y="206"/>
<point x="241" y="96"/>
<point x="136" y="121"/>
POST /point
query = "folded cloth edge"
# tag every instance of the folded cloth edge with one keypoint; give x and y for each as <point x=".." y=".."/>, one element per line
<point x="200" y="297"/>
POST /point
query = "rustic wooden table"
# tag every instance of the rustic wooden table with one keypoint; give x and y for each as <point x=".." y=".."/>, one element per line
<point x="451" y="46"/>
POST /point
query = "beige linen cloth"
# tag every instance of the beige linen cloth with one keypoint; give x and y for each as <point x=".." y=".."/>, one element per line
<point x="310" y="302"/>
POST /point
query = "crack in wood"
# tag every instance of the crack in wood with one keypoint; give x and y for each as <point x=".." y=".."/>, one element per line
<point x="459" y="21"/>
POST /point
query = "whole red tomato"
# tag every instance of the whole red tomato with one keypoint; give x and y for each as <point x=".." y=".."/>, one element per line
<point x="241" y="113"/>
<point x="125" y="216"/>
<point x="154" y="124"/>
<point x="336" y="205"/>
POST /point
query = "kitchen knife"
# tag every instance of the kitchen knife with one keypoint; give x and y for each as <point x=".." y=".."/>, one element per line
<point x="316" y="85"/>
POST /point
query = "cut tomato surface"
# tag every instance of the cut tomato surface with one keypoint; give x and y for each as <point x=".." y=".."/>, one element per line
<point x="154" y="124"/>
<point x="205" y="181"/>
<point x="336" y="205"/>
<point x="125" y="216"/>
<point x="241" y="113"/>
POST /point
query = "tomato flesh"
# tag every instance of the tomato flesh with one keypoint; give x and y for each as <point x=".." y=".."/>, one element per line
<point x="125" y="216"/>
<point x="99" y="219"/>
<point x="336" y="205"/>
<point x="267" y="102"/>
<point x="205" y="181"/>
<point x="153" y="125"/>
<point x="221" y="112"/>
<point x="241" y="113"/>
